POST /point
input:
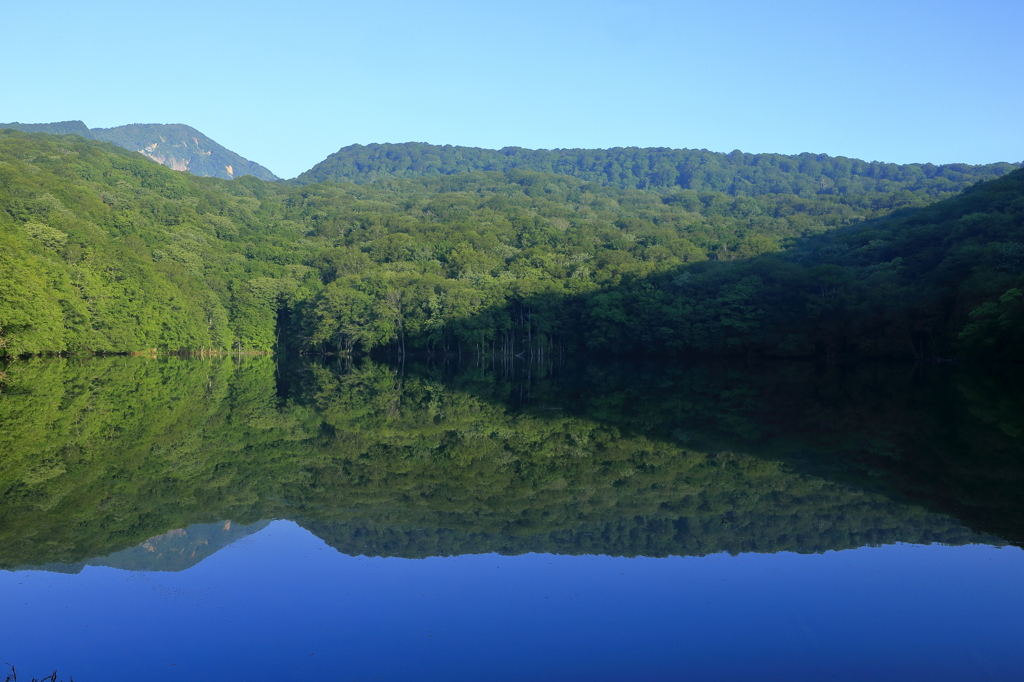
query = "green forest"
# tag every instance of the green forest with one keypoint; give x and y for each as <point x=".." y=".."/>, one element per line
<point x="736" y="173"/>
<point x="104" y="251"/>
<point x="103" y="454"/>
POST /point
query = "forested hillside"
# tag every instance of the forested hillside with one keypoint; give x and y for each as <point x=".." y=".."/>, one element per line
<point x="942" y="280"/>
<point x="104" y="251"/>
<point x="736" y="173"/>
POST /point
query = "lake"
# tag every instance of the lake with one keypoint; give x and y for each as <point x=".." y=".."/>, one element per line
<point x="270" y="518"/>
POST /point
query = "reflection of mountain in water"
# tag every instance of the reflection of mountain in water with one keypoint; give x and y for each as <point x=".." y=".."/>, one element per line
<point x="103" y="454"/>
<point x="682" y="536"/>
<point x="175" y="550"/>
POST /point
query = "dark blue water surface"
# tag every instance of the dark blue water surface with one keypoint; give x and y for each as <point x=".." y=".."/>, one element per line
<point x="282" y="605"/>
<point x="216" y="519"/>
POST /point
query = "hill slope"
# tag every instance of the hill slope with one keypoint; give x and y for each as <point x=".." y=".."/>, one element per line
<point x="174" y="145"/>
<point x="102" y="250"/>
<point x="942" y="280"/>
<point x="735" y="173"/>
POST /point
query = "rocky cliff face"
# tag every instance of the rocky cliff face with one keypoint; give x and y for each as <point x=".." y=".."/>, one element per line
<point x="175" y="145"/>
<point x="182" y="148"/>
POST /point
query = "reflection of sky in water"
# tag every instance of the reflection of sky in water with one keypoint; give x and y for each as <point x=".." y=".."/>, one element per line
<point x="281" y="605"/>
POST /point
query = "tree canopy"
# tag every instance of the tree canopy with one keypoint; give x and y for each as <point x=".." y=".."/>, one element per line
<point x="659" y="168"/>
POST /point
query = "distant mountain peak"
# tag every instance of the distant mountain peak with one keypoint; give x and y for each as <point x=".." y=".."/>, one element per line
<point x="175" y="145"/>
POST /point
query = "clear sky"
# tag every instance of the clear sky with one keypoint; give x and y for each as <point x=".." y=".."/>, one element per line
<point x="287" y="83"/>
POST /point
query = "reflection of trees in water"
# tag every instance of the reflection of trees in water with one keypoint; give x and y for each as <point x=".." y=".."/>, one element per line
<point x="104" y="453"/>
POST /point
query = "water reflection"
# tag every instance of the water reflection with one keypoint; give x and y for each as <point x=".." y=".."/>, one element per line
<point x="176" y="550"/>
<point x="104" y="455"/>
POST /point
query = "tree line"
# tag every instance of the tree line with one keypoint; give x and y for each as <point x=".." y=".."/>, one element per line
<point x="662" y="169"/>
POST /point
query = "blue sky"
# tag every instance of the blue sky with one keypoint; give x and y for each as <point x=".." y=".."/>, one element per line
<point x="287" y="83"/>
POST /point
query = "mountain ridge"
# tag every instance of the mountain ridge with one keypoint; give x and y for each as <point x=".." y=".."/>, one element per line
<point x="184" y="148"/>
<point x="175" y="145"/>
<point x="656" y="168"/>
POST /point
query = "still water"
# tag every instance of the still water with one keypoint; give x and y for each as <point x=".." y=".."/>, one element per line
<point x="184" y="519"/>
